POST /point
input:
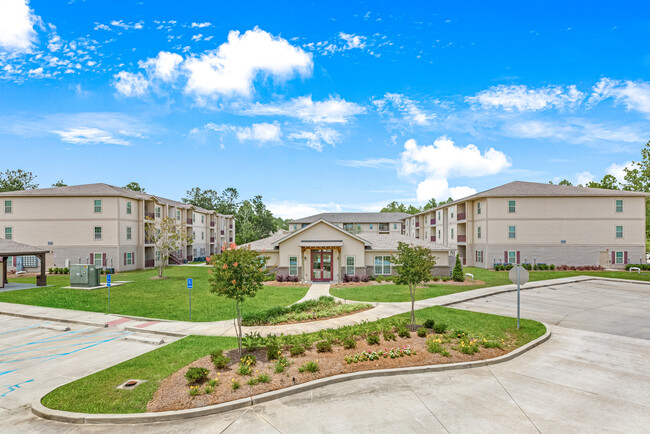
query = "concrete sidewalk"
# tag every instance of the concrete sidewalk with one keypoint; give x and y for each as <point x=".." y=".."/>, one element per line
<point x="226" y="327"/>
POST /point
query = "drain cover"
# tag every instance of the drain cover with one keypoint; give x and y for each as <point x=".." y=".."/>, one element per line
<point x="130" y="384"/>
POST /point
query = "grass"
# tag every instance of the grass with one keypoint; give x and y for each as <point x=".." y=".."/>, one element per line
<point x="398" y="293"/>
<point x="96" y="393"/>
<point x="164" y="299"/>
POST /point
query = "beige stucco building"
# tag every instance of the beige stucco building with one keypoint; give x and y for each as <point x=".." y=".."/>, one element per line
<point x="105" y="225"/>
<point x="321" y="251"/>
<point x="539" y="223"/>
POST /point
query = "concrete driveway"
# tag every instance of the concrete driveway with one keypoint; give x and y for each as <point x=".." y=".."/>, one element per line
<point x="587" y="378"/>
<point x="38" y="356"/>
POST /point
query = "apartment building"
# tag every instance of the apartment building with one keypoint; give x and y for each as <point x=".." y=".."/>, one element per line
<point x="385" y="223"/>
<point x="105" y="225"/>
<point x="526" y="222"/>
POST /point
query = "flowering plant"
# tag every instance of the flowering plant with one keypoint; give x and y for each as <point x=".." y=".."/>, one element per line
<point x="393" y="353"/>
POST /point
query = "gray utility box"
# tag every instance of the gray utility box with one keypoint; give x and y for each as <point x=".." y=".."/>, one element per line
<point x="84" y="276"/>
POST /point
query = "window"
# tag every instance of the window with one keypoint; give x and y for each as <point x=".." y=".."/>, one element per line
<point x="128" y="207"/>
<point x="512" y="232"/>
<point x="193" y="235"/>
<point x="157" y="212"/>
<point x="7" y="207"/>
<point x="129" y="258"/>
<point x="98" y="205"/>
<point x="512" y="257"/>
<point x="98" y="232"/>
<point x="619" y="257"/>
<point x="370" y="225"/>
<point x="439" y="235"/>
<point x="452" y="213"/>
<point x="479" y="256"/>
<point x="426" y="219"/>
<point x="438" y="215"/>
<point x="478" y="232"/>
<point x="452" y="233"/>
<point x="9" y="234"/>
<point x="349" y="265"/>
<point x="619" y="205"/>
<point x="128" y="232"/>
<point x="295" y="227"/>
<point x="30" y="261"/>
<point x="157" y="255"/>
<point x="178" y="214"/>
<point x="383" y="227"/>
<point x="478" y="209"/>
<point x="619" y="231"/>
<point x="97" y="260"/>
<point x="394" y="225"/>
<point x="293" y="265"/>
<point x="512" y="206"/>
<point x="202" y="219"/>
<point x="202" y="235"/>
<point x="382" y="265"/>
<point x="193" y="217"/>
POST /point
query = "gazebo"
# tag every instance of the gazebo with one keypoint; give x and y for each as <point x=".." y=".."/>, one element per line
<point x="12" y="248"/>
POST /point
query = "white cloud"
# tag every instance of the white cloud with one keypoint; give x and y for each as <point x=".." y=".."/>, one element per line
<point x="444" y="160"/>
<point x="407" y="108"/>
<point x="197" y="37"/>
<point x="233" y="66"/>
<point x="86" y="136"/>
<point x="578" y="131"/>
<point x="201" y="25"/>
<point x="129" y="84"/>
<point x="618" y="170"/>
<point x="292" y="209"/>
<point x="123" y="25"/>
<point x="584" y="177"/>
<point x="331" y="110"/>
<point x="521" y="98"/>
<point x="375" y="163"/>
<point x="315" y="139"/>
<point x="353" y="41"/>
<point x="17" y="22"/>
<point x="164" y="66"/>
<point x="262" y="133"/>
<point x="634" y="95"/>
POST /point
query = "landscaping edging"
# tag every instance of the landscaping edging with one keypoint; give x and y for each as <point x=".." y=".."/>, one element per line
<point x="86" y="418"/>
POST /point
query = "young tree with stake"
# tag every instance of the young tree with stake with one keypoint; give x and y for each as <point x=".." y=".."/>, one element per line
<point x="167" y="236"/>
<point x="413" y="265"/>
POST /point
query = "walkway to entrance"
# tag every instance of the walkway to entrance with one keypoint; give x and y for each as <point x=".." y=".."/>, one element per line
<point x="316" y="291"/>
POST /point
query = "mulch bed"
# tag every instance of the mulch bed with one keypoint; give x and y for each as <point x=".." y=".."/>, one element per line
<point x="173" y="392"/>
<point x="432" y="282"/>
<point x="321" y="318"/>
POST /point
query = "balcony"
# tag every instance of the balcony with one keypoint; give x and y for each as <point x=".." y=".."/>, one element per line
<point x="433" y="222"/>
<point x="149" y="215"/>
<point x="211" y="224"/>
<point x="223" y="232"/>
<point x="230" y="225"/>
<point x="189" y="221"/>
<point x="212" y="239"/>
<point x="189" y="258"/>
<point x="462" y="238"/>
<point x="433" y="238"/>
<point x="417" y="224"/>
<point x="149" y="263"/>
<point x="462" y="216"/>
<point x="148" y="240"/>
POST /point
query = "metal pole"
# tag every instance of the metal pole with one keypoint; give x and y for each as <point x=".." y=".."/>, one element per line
<point x="109" y="299"/>
<point x="518" y="297"/>
<point x="190" y="304"/>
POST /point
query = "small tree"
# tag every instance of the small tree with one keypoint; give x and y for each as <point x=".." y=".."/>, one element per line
<point x="458" y="274"/>
<point x="237" y="274"/>
<point x="167" y="236"/>
<point x="413" y="265"/>
<point x="16" y="180"/>
<point x="134" y="186"/>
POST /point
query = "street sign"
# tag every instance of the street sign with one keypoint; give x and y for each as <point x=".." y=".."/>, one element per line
<point x="189" y="283"/>
<point x="108" y="285"/>
<point x="518" y="275"/>
<point x="108" y="280"/>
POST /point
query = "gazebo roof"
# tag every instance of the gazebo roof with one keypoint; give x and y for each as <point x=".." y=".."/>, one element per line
<point x="12" y="248"/>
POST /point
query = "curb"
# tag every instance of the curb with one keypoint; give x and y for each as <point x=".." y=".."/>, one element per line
<point x="54" y="319"/>
<point x="85" y="418"/>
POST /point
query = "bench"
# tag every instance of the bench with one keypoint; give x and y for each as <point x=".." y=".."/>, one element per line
<point x="637" y="269"/>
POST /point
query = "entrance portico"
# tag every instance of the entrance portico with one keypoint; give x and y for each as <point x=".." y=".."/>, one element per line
<point x="321" y="260"/>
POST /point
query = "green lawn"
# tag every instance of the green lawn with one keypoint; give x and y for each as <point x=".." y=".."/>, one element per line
<point x="165" y="299"/>
<point x="96" y="393"/>
<point x="396" y="293"/>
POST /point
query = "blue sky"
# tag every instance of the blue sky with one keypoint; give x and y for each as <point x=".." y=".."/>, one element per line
<point x="323" y="106"/>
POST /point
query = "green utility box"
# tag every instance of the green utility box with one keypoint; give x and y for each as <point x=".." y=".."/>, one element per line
<point x="84" y="276"/>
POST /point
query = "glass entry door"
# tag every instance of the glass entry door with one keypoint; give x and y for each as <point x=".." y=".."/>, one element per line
<point x="321" y="265"/>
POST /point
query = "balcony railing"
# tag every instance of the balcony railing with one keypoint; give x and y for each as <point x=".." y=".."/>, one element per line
<point x="462" y="216"/>
<point x="417" y="224"/>
<point x="212" y="239"/>
<point x="230" y="225"/>
<point x="211" y="224"/>
<point x="223" y="232"/>
<point x="149" y="263"/>
<point x="462" y="238"/>
<point x="189" y="258"/>
<point x="189" y="221"/>
<point x="149" y="215"/>
<point x="433" y="238"/>
<point x="433" y="222"/>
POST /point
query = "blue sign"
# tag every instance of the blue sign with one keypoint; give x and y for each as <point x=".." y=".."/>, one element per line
<point x="108" y="280"/>
<point x="189" y="283"/>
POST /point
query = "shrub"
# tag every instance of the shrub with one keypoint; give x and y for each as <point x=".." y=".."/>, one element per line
<point x="445" y="353"/>
<point x="66" y="271"/>
<point x="297" y="350"/>
<point x="252" y="341"/>
<point x="244" y="369"/>
<point x="310" y="366"/>
<point x="208" y="389"/>
<point x="349" y="343"/>
<point x="219" y="360"/>
<point x="403" y="332"/>
<point x="196" y="375"/>
<point x="281" y="364"/>
<point x="264" y="378"/>
<point x="273" y="351"/>
<point x="429" y="323"/>
<point x="372" y="339"/>
<point x="422" y="332"/>
<point x="252" y="381"/>
<point x="279" y="278"/>
<point x="213" y="383"/>
<point x="435" y="345"/>
<point x="445" y="278"/>
<point x="440" y="328"/>
<point x="50" y="271"/>
<point x="467" y="346"/>
<point x="527" y="266"/>
<point x="249" y="360"/>
<point x="492" y="344"/>
<point x="552" y="267"/>
<point x="458" y="274"/>
<point x="435" y="278"/>
<point x="235" y="384"/>
<point x="323" y="346"/>
<point x="389" y="335"/>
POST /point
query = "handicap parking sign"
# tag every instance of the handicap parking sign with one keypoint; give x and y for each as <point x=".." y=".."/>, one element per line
<point x="189" y="283"/>
<point x="108" y="280"/>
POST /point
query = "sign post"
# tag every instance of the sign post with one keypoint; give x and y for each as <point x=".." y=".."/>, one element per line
<point x="190" y="283"/>
<point x="108" y="285"/>
<point x="520" y="276"/>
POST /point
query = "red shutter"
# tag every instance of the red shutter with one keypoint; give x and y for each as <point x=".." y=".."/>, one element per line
<point x="103" y="259"/>
<point x="124" y="258"/>
<point x="625" y="257"/>
<point x="92" y="259"/>
<point x="505" y="256"/>
<point x="518" y="258"/>
<point x="14" y="260"/>
<point x="476" y="256"/>
<point x="613" y="258"/>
